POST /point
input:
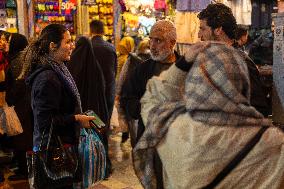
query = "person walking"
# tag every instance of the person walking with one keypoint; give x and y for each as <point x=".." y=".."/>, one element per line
<point x="18" y="95"/>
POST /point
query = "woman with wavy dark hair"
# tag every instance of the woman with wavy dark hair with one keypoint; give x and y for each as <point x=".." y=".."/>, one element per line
<point x="54" y="95"/>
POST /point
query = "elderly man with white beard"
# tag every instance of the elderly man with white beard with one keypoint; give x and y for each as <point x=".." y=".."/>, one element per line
<point x="162" y="42"/>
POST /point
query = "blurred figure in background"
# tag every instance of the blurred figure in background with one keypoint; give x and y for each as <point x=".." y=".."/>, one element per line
<point x="134" y="59"/>
<point x="241" y="37"/>
<point x="18" y="95"/>
<point x="125" y="47"/>
<point x="4" y="48"/>
<point x="261" y="51"/>
<point x="106" y="56"/>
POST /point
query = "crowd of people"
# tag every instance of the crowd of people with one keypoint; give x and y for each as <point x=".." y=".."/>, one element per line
<point x="195" y="120"/>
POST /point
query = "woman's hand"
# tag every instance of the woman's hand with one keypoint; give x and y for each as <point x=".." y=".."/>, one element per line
<point x="84" y="120"/>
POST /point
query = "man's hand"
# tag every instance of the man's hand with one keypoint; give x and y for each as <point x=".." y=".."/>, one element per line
<point x="194" y="50"/>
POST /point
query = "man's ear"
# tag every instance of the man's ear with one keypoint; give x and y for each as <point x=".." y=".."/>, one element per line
<point x="173" y="43"/>
<point x="218" y="31"/>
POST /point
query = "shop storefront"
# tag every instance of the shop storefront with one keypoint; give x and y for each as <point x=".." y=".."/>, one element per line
<point x="76" y="15"/>
<point x="136" y="17"/>
<point x="46" y="12"/>
<point x="130" y="17"/>
<point x="8" y="16"/>
<point x="96" y="10"/>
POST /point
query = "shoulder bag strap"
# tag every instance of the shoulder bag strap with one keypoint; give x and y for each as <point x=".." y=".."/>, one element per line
<point x="238" y="158"/>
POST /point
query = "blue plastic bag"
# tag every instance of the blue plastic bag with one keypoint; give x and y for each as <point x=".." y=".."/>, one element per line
<point x="93" y="157"/>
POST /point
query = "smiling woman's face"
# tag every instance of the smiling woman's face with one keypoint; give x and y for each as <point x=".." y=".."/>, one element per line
<point x="63" y="52"/>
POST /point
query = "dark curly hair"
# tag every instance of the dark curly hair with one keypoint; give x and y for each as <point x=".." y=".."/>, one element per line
<point x="240" y="31"/>
<point x="219" y="15"/>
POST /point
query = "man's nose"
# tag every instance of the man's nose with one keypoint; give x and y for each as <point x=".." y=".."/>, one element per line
<point x="152" y="45"/>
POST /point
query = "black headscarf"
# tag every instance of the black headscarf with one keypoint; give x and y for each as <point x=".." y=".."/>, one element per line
<point x="89" y="78"/>
<point x="18" y="43"/>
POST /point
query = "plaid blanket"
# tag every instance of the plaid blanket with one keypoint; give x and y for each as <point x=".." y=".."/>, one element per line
<point x="217" y="93"/>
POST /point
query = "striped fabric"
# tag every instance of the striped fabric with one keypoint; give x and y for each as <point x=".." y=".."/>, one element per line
<point x="93" y="157"/>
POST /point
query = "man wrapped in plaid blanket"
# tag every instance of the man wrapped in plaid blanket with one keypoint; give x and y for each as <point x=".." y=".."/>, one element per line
<point x="199" y="120"/>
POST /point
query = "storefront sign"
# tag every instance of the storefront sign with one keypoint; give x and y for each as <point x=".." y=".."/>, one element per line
<point x="67" y="6"/>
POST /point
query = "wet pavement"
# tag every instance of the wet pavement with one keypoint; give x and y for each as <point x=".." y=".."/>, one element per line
<point x="123" y="176"/>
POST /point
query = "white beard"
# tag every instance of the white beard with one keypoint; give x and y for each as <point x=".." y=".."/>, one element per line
<point x="162" y="56"/>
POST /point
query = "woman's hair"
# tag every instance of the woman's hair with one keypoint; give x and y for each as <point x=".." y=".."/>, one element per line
<point x="18" y="43"/>
<point x="40" y="47"/>
<point x="51" y="33"/>
<point x="6" y="34"/>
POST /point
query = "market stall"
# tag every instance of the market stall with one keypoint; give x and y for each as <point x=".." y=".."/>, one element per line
<point x="96" y="10"/>
<point x="8" y="16"/>
<point x="55" y="11"/>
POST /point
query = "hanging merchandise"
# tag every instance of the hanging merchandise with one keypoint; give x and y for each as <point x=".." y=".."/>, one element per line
<point x="11" y="4"/>
<point x="8" y="16"/>
<point x="2" y="4"/>
<point x="138" y="18"/>
<point x="160" y="5"/>
<point x="55" y="11"/>
<point x="192" y="5"/>
<point x="261" y="13"/>
<point x="131" y="20"/>
<point x="242" y="10"/>
<point x="187" y="26"/>
<point x="122" y="5"/>
<point x="145" y="24"/>
<point x="101" y="10"/>
<point x="173" y="3"/>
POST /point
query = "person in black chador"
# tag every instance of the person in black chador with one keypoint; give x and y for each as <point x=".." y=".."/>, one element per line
<point x="90" y="82"/>
<point x="18" y="95"/>
<point x="89" y="78"/>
